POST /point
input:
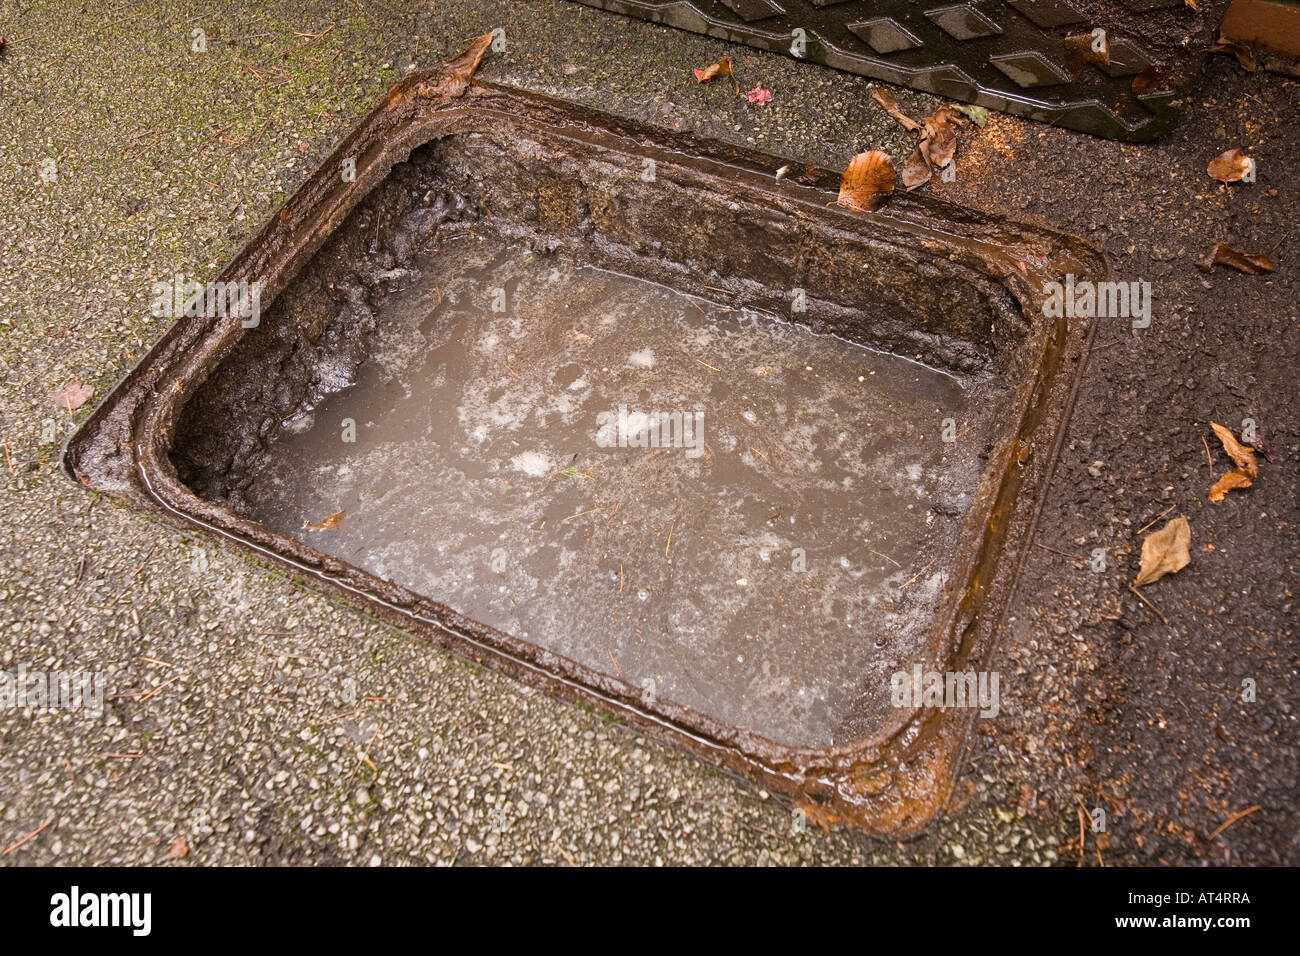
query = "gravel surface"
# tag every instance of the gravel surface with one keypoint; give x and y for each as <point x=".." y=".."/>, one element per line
<point x="259" y="721"/>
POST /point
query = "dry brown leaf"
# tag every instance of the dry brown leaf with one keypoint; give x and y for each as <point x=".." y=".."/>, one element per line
<point x="180" y="849"/>
<point x="457" y="73"/>
<point x="71" y="396"/>
<point x="1229" y="167"/>
<point x="330" y="522"/>
<point x="1224" y="255"/>
<point x="1244" y="54"/>
<point x="940" y="137"/>
<point x="887" y="100"/>
<point x="1079" y="52"/>
<point x="1226" y="483"/>
<point x="916" y="171"/>
<point x="1165" y="551"/>
<point x="721" y="68"/>
<point x="1242" y="455"/>
<point x="868" y="181"/>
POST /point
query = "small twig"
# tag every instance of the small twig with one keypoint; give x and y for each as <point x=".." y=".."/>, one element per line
<point x="1157" y="518"/>
<point x="32" y="835"/>
<point x="1143" y="599"/>
<point x="670" y="538"/>
<point x="879" y="555"/>
<point x="1233" y="818"/>
<point x="915" y="576"/>
<point x="707" y="365"/>
<point x="159" y="687"/>
<point x="1209" y="459"/>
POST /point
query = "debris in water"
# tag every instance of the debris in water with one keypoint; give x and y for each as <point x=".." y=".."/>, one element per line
<point x="71" y="396"/>
<point x="331" y="522"/>
<point x="867" y="182"/>
<point x="1231" y="166"/>
<point x="1165" y="551"/>
<point x="1224" y="255"/>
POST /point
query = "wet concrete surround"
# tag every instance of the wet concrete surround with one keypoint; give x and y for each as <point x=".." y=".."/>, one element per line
<point x="970" y="190"/>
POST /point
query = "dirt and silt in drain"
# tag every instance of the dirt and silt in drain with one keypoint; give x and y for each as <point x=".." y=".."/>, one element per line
<point x="717" y="506"/>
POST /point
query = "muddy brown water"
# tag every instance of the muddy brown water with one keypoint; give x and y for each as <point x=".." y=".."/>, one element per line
<point x="769" y="563"/>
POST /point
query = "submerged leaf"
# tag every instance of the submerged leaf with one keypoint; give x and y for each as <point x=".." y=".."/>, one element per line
<point x="1165" y="551"/>
<point x="868" y="181"/>
<point x="330" y="522"/>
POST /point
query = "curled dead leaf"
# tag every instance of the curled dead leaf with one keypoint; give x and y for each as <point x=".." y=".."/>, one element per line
<point x="1165" y="551"/>
<point x="1224" y="255"/>
<point x="1244" y="54"/>
<point x="721" y="68"/>
<point x="887" y="100"/>
<point x="1227" y="482"/>
<point x="71" y="396"/>
<point x="1084" y="48"/>
<point x="1244" y="458"/>
<point x="868" y="181"/>
<point x="1231" y="166"/>
<point x="1155" y="79"/>
<point x="1242" y="455"/>
<point x="330" y="522"/>
<point x="940" y="137"/>
<point x="457" y="73"/>
<point x="916" y="171"/>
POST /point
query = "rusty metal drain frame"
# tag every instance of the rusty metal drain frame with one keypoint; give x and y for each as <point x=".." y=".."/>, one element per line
<point x="891" y="783"/>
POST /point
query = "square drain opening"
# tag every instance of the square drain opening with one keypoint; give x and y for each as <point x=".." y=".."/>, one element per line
<point x="615" y="410"/>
